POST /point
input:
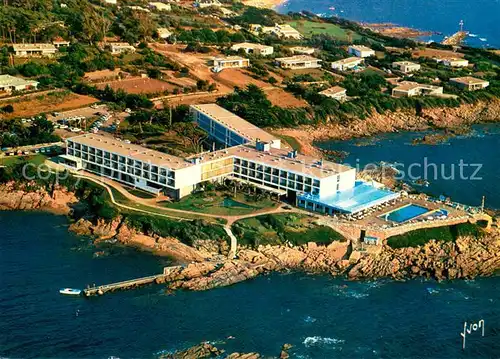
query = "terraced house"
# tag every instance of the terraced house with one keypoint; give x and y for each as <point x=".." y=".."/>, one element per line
<point x="253" y="156"/>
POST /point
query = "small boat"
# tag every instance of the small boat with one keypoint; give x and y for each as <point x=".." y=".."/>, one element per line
<point x="70" y="291"/>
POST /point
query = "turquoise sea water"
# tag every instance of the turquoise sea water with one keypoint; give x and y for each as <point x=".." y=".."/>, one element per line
<point x="438" y="164"/>
<point x="480" y="16"/>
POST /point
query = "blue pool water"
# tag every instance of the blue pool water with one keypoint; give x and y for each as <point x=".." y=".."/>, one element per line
<point x="405" y="213"/>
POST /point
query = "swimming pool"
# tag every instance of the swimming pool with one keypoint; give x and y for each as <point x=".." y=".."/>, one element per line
<point x="405" y="213"/>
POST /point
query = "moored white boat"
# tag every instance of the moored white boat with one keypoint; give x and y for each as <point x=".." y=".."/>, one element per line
<point x="70" y="291"/>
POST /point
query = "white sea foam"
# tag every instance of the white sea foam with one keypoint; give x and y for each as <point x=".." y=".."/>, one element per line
<point x="318" y="341"/>
<point x="472" y="35"/>
<point x="309" y="319"/>
<point x="483" y="39"/>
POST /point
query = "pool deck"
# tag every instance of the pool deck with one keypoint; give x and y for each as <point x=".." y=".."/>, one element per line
<point x="375" y="226"/>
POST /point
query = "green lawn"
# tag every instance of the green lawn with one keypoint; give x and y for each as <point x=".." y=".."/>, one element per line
<point x="280" y="228"/>
<point x="12" y="160"/>
<point x="446" y="234"/>
<point x="221" y="203"/>
<point x="309" y="28"/>
<point x="292" y="141"/>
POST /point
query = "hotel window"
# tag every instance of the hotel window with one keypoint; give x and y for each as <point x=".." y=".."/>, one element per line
<point x="122" y="159"/>
<point x="315" y="191"/>
<point x="252" y="173"/>
<point x="99" y="160"/>
<point x="338" y="187"/>
<point x="92" y="158"/>
<point x="259" y="175"/>
<point x="130" y="162"/>
<point x="260" y="168"/>
<point x="107" y="155"/>
<point x="145" y="167"/>
<point x="244" y="163"/>
<point x="275" y="179"/>
<point x="154" y="169"/>
<point x="283" y="174"/>
<point x="137" y="172"/>
<point x="338" y="178"/>
<point x="145" y="174"/>
<point x="78" y="146"/>
<point x="171" y="174"/>
<point x="107" y="163"/>
<point x="114" y="157"/>
<point x="163" y="180"/>
<point x="130" y="170"/>
<point x="99" y="153"/>
<point x="154" y="177"/>
<point x="137" y="164"/>
<point x="268" y="169"/>
<point x="170" y="182"/>
<point x="308" y="180"/>
<point x="85" y="148"/>
<point x="316" y="183"/>
<point x="163" y="172"/>
<point x="252" y="165"/>
<point x="300" y="187"/>
<point x="308" y="189"/>
<point x="283" y="182"/>
<point x="267" y="178"/>
<point x="276" y="171"/>
<point x="244" y="171"/>
<point x="291" y="176"/>
<point x="300" y="178"/>
<point x="237" y="161"/>
<point x="291" y="184"/>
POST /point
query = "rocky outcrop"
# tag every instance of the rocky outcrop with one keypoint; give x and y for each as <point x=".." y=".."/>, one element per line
<point x="454" y="118"/>
<point x="468" y="257"/>
<point x="207" y="350"/>
<point x="29" y="197"/>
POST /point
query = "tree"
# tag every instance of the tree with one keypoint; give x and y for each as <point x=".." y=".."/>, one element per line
<point x="190" y="132"/>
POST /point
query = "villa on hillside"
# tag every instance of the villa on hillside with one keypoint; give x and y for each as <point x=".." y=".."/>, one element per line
<point x="251" y="156"/>
<point x="360" y="51"/>
<point x="156" y="5"/>
<point x="221" y="63"/>
<point x="347" y="64"/>
<point x="251" y="48"/>
<point x="410" y="89"/>
<point x="164" y="33"/>
<point x="38" y="49"/>
<point x="469" y="83"/>
<point x="298" y="62"/>
<point x="10" y="83"/>
<point x="406" y="66"/>
<point x="284" y="31"/>
<point x="301" y="50"/>
<point x="117" y="48"/>
<point x="336" y="92"/>
<point x="453" y="62"/>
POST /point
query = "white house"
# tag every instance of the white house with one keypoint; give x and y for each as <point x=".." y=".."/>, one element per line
<point x="10" y="83"/>
<point x="301" y="50"/>
<point x="469" y="83"/>
<point x="207" y="3"/>
<point x="298" y="62"/>
<point x="120" y="47"/>
<point x="360" y="51"/>
<point x="164" y="33"/>
<point x="410" y="89"/>
<point x="160" y="6"/>
<point x="347" y="64"/>
<point x="26" y="50"/>
<point x="251" y="48"/>
<point x="453" y="62"/>
<point x="335" y="92"/>
<point x="406" y="66"/>
<point x="221" y="63"/>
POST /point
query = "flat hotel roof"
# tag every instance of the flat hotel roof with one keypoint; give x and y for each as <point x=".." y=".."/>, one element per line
<point x="278" y="158"/>
<point x="234" y="122"/>
<point x="130" y="150"/>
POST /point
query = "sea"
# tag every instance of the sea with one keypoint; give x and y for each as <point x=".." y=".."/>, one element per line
<point x="321" y="316"/>
<point x="480" y="17"/>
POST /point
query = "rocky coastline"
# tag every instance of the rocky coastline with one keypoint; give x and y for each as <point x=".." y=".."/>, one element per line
<point x="454" y="120"/>
<point x="205" y="264"/>
<point x="207" y="350"/>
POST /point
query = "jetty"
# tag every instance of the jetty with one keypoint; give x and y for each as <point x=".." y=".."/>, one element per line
<point x="455" y="39"/>
<point x="129" y="284"/>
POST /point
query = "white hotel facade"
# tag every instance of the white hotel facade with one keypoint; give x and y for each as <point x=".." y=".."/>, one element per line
<point x="250" y="157"/>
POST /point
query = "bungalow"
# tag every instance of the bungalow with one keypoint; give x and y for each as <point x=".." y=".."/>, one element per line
<point x="221" y="63"/>
<point x="406" y="66"/>
<point x="302" y="50"/>
<point x="34" y="49"/>
<point x="117" y="48"/>
<point x="10" y="83"/>
<point x="360" y="51"/>
<point x="287" y="32"/>
<point x="160" y="6"/>
<point x="298" y="62"/>
<point x="469" y="83"/>
<point x="163" y="33"/>
<point x="410" y="89"/>
<point x="347" y="64"/>
<point x="454" y="62"/>
<point x="335" y="92"/>
<point x="60" y="42"/>
<point x="250" y="48"/>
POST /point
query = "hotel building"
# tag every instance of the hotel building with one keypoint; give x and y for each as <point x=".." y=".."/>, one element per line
<point x="311" y="183"/>
<point x="360" y="51"/>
